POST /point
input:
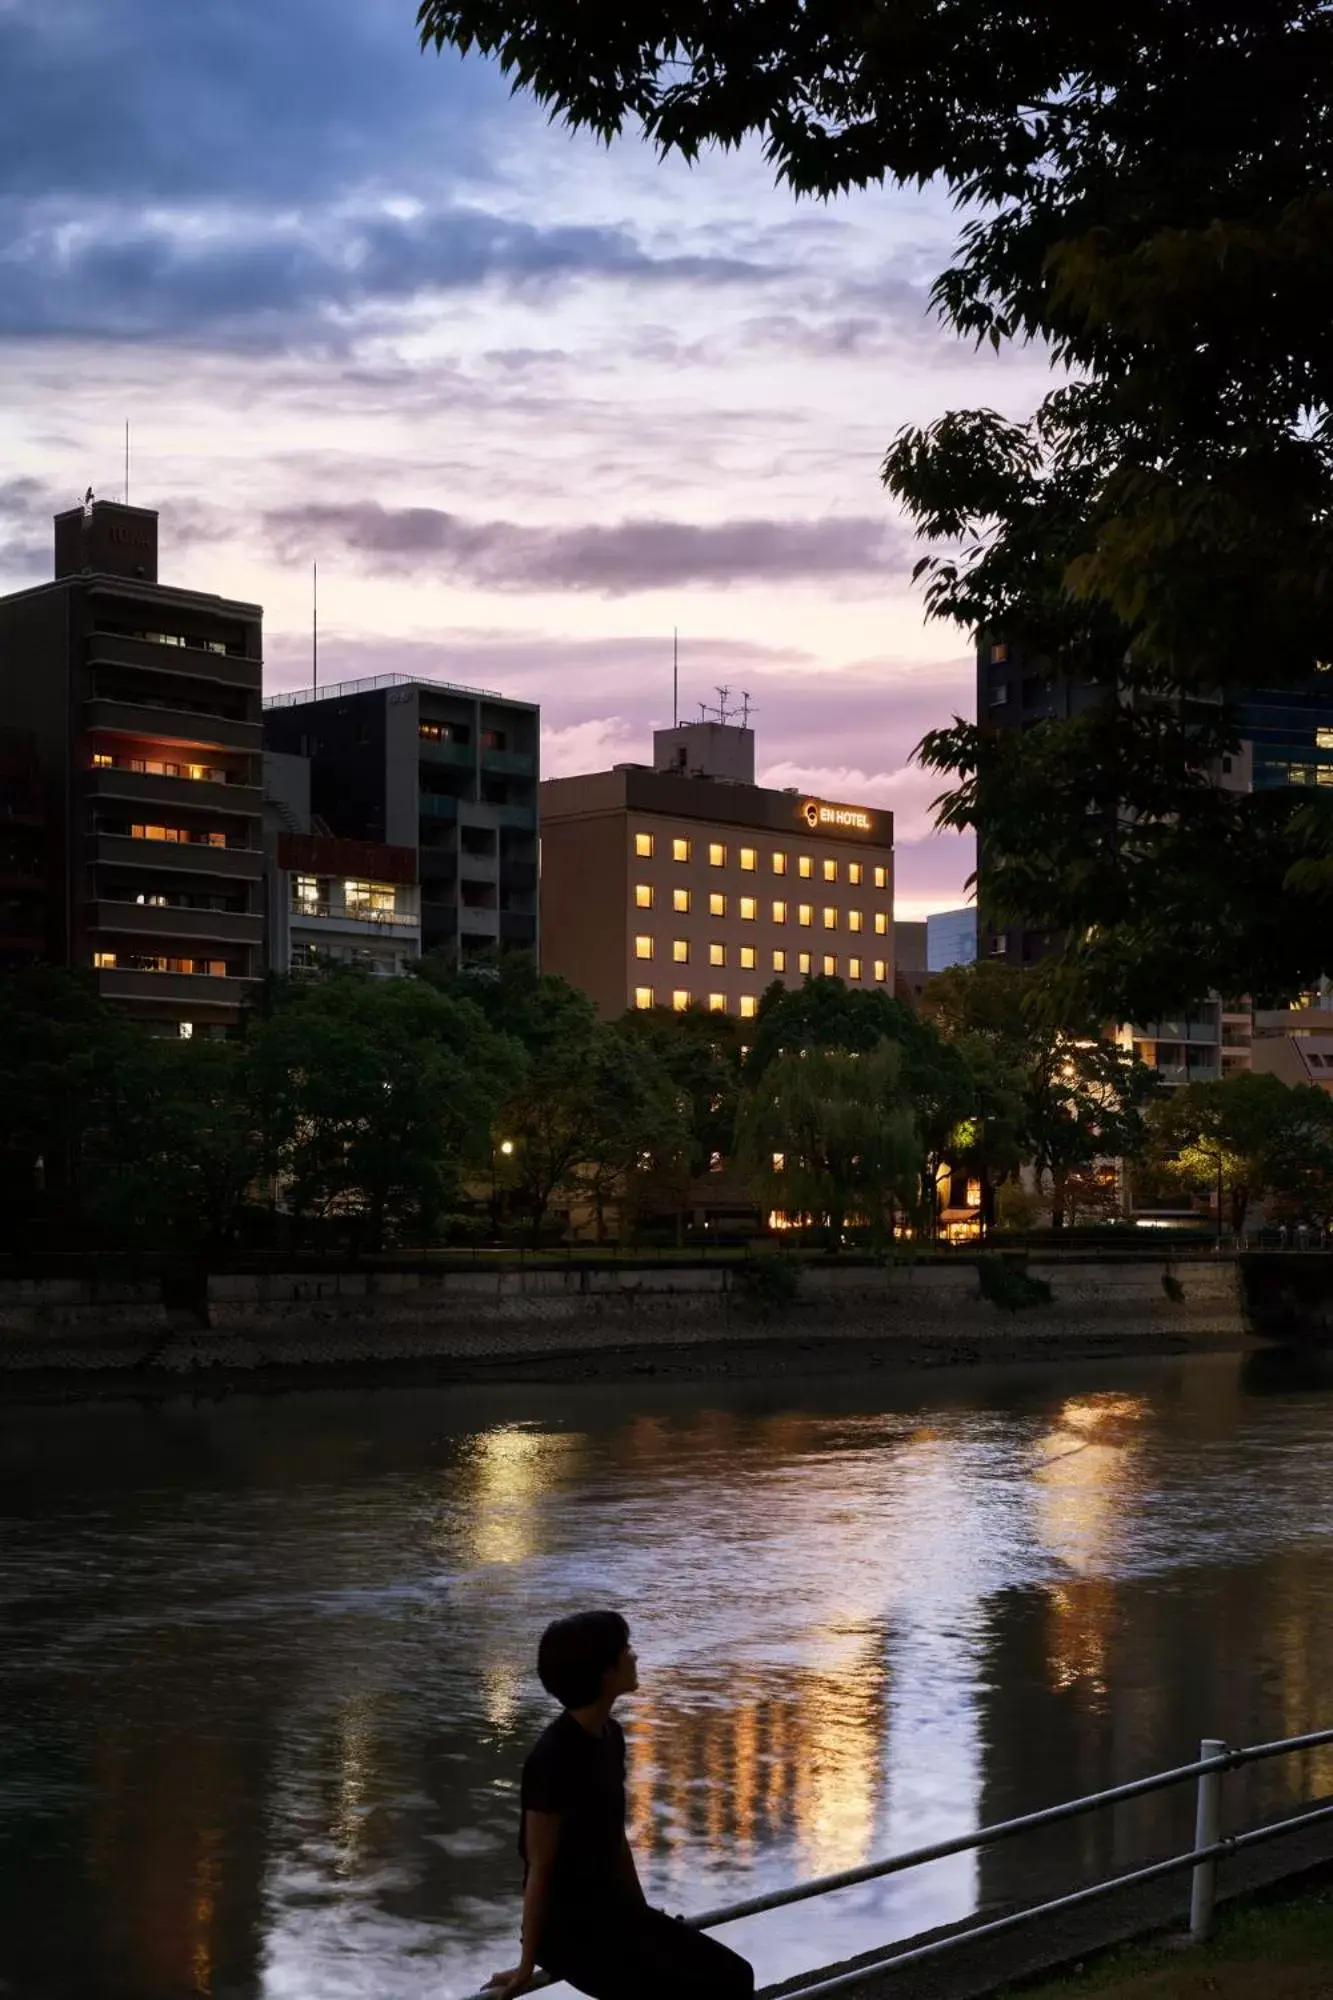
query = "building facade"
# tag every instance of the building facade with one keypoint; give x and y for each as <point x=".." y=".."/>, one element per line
<point x="910" y="971"/>
<point x="332" y="902"/>
<point x="672" y="886"/>
<point x="24" y="860"/>
<point x="951" y="938"/>
<point x="450" y="773"/>
<point x="141" y="706"/>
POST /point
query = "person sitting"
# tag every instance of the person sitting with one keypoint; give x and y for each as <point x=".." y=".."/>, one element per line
<point x="585" y="1916"/>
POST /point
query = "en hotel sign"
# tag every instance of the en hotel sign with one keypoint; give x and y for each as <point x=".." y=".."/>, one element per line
<point x="846" y="819"/>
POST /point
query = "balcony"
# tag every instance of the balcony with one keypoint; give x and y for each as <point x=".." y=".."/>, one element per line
<point x="172" y="857"/>
<point x="146" y="788"/>
<point x="516" y="928"/>
<point x="478" y="867"/>
<point x="437" y="865"/>
<point x="524" y="817"/>
<point x="437" y="805"/>
<point x="201" y="993"/>
<point x="177" y="725"/>
<point x="234" y="927"/>
<point x="327" y="917"/>
<point x="519" y="875"/>
<point x="192" y="663"/>
<point x="509" y="763"/>
<point x="458" y="756"/>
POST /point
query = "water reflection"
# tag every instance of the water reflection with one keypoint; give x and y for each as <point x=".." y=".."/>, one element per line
<point x="268" y="1676"/>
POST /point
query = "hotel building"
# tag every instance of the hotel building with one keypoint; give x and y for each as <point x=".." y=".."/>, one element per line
<point x="685" y="883"/>
<point x="132" y="711"/>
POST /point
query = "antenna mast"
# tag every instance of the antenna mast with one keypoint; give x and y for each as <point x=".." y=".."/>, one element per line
<point x="314" y="627"/>
<point x="127" y="461"/>
<point x="675" y="678"/>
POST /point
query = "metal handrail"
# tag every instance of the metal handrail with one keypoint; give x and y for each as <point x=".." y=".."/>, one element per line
<point x="298" y="697"/>
<point x="1201" y="1855"/>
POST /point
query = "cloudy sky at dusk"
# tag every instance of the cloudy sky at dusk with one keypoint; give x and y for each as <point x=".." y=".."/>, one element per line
<point x="529" y="402"/>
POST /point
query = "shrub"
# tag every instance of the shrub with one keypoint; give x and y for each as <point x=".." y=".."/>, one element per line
<point x="1173" y="1288"/>
<point x="1007" y="1283"/>
<point x="766" y="1283"/>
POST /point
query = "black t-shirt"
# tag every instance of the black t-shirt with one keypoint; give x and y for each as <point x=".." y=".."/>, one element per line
<point x="582" y="1778"/>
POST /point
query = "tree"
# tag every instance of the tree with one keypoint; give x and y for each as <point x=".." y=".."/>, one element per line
<point x="375" y="1097"/>
<point x="59" y="1049"/>
<point x="699" y="1053"/>
<point x="828" y="1134"/>
<point x="1148" y="193"/>
<point x="640" y="1123"/>
<point x="827" y="1014"/>
<point x="175" y="1156"/>
<point x="1243" y="1137"/>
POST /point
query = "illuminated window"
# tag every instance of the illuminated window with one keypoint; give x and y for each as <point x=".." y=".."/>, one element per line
<point x="779" y="913"/>
<point x="749" y="860"/>
<point x="881" y="970"/>
<point x="748" y="1005"/>
<point x="1323" y="739"/>
<point x="855" y="920"/>
<point x="680" y="850"/>
<point x="680" y="951"/>
<point x="830" y="917"/>
<point x="830" y="871"/>
<point x="881" y="878"/>
<point x="881" y="923"/>
<point x="749" y="909"/>
<point x="680" y="899"/>
<point x="717" y="1003"/>
<point x="101" y="760"/>
<point x="830" y="965"/>
<point x="853" y="968"/>
<point x="305" y="893"/>
<point x="804" y="963"/>
<point x="749" y="958"/>
<point x="643" y="996"/>
<point x="370" y="899"/>
<point x="643" y="846"/>
<point x="105" y="961"/>
<point x="643" y="895"/>
<point x="185" y="1029"/>
<point x="717" y="854"/>
<point x="680" y="999"/>
<point x="805" y="867"/>
<point x="805" y="914"/>
<point x="779" y="961"/>
<point x="779" y="864"/>
<point x="643" y="947"/>
<point x="998" y="655"/>
<point x="717" y="954"/>
<point x="855" y="874"/>
<point x="717" y="904"/>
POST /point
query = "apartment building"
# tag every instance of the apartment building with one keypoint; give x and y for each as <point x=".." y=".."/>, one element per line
<point x="140" y="702"/>
<point x="332" y="902"/>
<point x="449" y="773"/>
<point x="686" y="883"/>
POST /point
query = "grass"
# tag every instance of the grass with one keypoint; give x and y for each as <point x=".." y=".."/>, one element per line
<point x="1258" y="1951"/>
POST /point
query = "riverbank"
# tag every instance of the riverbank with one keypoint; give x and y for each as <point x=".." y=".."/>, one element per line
<point x="1285" y="1948"/>
<point x="559" y="1323"/>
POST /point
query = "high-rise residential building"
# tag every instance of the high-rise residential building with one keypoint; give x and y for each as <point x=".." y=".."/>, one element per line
<point x="139" y="704"/>
<point x="332" y="902"/>
<point x="951" y="938"/>
<point x="24" y="840"/>
<point x="684" y="882"/>
<point x="450" y="773"/>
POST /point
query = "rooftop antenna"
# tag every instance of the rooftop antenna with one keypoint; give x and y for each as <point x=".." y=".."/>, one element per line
<point x="675" y="678"/>
<point x="722" y="709"/>
<point x="314" y="627"/>
<point x="127" y="461"/>
<point x="746" y="710"/>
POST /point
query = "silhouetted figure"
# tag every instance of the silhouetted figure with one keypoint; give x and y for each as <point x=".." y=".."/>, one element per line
<point x="584" y="1914"/>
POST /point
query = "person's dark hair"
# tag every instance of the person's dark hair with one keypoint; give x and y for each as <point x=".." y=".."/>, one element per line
<point x="576" y="1652"/>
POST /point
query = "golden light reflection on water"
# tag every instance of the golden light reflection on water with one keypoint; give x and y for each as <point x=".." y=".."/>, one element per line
<point x="740" y="1765"/>
<point x="512" y="1470"/>
<point x="1086" y="1478"/>
<point x="354" y="1753"/>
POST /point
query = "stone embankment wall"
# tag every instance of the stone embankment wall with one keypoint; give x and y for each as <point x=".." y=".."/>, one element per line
<point x="522" y="1319"/>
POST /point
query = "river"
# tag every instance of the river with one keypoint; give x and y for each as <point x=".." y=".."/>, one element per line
<point x="267" y="1670"/>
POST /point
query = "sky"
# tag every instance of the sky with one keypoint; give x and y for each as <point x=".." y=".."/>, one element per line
<point x="531" y="403"/>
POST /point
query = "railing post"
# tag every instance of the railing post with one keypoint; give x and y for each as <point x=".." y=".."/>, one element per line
<point x="1207" y="1833"/>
